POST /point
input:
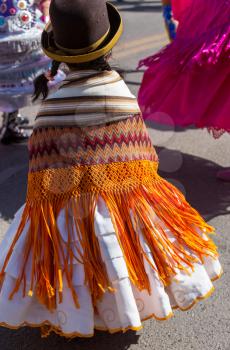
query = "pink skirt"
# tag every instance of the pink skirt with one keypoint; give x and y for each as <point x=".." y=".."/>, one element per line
<point x="188" y="82"/>
<point x="179" y="6"/>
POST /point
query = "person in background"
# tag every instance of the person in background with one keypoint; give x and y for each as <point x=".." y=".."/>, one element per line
<point x="21" y="60"/>
<point x="188" y="82"/>
<point x="170" y="22"/>
<point x="44" y="7"/>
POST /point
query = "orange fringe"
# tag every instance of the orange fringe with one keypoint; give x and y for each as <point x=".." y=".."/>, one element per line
<point x="165" y="202"/>
<point x="132" y="212"/>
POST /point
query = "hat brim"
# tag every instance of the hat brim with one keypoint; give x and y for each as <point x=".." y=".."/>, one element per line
<point x="51" y="50"/>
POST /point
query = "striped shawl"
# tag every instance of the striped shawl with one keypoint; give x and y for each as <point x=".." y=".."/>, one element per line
<point x="90" y="141"/>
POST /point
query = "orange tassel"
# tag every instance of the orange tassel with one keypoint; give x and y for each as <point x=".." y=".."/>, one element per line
<point x="148" y="210"/>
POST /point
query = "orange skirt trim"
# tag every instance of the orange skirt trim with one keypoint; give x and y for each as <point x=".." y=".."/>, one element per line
<point x="47" y="328"/>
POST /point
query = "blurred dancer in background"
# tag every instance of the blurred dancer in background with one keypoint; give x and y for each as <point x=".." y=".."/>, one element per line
<point x="188" y="82"/>
<point x="170" y="22"/>
<point x="21" y="60"/>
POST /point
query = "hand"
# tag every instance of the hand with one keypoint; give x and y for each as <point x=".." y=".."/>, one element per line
<point x="44" y="6"/>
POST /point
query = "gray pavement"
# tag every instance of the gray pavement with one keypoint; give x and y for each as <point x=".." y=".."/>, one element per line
<point x="190" y="159"/>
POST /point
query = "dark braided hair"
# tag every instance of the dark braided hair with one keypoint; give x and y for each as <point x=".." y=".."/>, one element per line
<point x="41" y="82"/>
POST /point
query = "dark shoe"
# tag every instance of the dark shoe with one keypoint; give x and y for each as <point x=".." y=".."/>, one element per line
<point x="10" y="131"/>
<point x="20" y="120"/>
<point x="224" y="175"/>
<point x="11" y="134"/>
<point x="16" y="118"/>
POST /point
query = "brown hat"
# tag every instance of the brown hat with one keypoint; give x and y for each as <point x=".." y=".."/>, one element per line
<point x="81" y="30"/>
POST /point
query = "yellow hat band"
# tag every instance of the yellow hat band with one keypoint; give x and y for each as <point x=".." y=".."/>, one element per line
<point x="85" y="50"/>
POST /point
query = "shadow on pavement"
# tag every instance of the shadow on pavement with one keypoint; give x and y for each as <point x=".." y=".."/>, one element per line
<point x="30" y="339"/>
<point x="163" y="127"/>
<point x="196" y="177"/>
<point x="13" y="179"/>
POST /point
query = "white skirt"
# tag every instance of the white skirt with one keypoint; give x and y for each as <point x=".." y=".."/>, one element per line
<point x="123" y="309"/>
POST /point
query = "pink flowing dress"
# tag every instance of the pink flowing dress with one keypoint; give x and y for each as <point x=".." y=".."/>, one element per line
<point x="179" y="6"/>
<point x="188" y="82"/>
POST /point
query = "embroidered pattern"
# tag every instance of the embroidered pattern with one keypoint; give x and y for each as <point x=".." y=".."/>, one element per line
<point x="126" y="140"/>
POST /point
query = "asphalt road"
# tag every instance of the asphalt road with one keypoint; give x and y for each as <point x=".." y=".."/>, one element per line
<point x="190" y="159"/>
